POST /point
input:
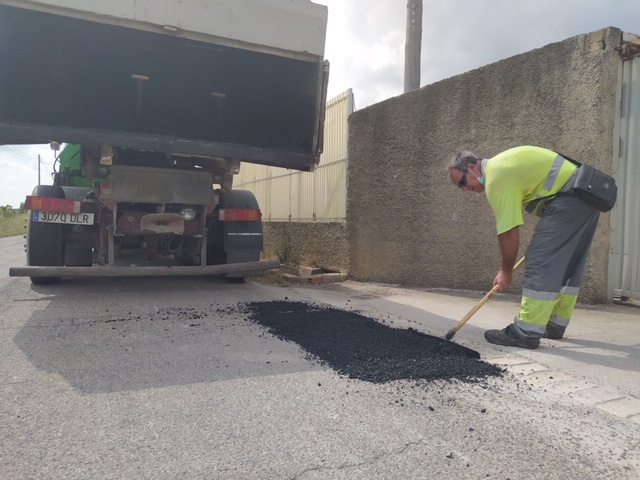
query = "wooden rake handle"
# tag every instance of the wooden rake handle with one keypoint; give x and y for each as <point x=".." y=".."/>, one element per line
<point x="484" y="300"/>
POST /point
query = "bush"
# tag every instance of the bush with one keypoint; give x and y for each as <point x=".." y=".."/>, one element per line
<point x="11" y="223"/>
<point x="7" y="211"/>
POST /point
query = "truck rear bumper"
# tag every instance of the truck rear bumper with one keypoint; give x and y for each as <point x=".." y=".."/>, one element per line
<point x="135" y="271"/>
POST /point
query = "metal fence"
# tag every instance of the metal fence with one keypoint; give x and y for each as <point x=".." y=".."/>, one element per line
<point x="321" y="195"/>
<point x="624" y="261"/>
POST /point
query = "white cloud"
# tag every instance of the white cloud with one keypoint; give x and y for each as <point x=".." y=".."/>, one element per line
<point x="458" y="36"/>
<point x="387" y="52"/>
<point x="19" y="171"/>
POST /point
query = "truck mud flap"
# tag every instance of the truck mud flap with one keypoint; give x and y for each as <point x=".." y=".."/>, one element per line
<point x="242" y="240"/>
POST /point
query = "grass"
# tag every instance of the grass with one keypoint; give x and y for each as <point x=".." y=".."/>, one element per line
<point x="12" y="224"/>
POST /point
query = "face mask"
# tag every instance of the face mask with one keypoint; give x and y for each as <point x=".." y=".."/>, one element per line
<point x="481" y="179"/>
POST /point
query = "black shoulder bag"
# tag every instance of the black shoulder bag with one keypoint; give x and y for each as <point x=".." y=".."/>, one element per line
<point x="593" y="186"/>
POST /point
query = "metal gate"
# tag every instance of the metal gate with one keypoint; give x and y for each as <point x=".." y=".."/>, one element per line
<point x="624" y="260"/>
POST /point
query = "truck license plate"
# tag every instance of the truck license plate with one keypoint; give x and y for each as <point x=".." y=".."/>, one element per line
<point x="67" y="218"/>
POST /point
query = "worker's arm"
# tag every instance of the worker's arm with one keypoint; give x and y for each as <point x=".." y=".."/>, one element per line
<point x="509" y="242"/>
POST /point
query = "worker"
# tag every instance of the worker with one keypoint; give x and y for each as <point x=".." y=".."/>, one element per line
<point x="540" y="180"/>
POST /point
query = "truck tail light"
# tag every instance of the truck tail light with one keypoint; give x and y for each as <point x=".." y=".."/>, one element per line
<point x="49" y="204"/>
<point x="239" y="215"/>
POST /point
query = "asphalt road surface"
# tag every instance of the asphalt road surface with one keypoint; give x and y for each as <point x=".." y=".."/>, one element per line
<point x="163" y="378"/>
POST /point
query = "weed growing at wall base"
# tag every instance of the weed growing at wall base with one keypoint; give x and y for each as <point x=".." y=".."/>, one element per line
<point x="284" y="250"/>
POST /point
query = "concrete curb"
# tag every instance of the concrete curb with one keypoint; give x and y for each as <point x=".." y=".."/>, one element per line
<point x="311" y="275"/>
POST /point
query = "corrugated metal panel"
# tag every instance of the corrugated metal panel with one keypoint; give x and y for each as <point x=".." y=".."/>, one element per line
<point x="279" y="208"/>
<point x="625" y="221"/>
<point x="331" y="192"/>
<point x="303" y="196"/>
<point x="302" y="189"/>
<point x="261" y="189"/>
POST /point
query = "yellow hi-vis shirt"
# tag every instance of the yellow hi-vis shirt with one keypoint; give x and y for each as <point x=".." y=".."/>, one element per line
<point x="520" y="175"/>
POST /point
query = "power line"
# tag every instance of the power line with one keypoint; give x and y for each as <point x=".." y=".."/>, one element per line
<point x="45" y="167"/>
<point x="15" y="152"/>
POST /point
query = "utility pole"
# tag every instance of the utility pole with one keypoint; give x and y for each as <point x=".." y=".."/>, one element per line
<point x="38" y="169"/>
<point x="413" y="45"/>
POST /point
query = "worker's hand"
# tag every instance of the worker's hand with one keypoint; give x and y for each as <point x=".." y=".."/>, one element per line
<point x="503" y="280"/>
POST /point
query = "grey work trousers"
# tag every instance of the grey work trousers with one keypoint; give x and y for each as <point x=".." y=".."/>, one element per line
<point x="555" y="263"/>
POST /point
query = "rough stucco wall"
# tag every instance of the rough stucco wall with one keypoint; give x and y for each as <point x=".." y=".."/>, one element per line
<point x="408" y="224"/>
<point x="314" y="244"/>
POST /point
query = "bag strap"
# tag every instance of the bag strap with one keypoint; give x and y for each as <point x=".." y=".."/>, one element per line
<point x="575" y="162"/>
<point x="539" y="200"/>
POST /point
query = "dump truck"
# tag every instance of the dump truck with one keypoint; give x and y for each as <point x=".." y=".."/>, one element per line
<point x="157" y="104"/>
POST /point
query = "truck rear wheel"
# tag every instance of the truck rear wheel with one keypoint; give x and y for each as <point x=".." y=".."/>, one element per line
<point x="44" y="240"/>
<point x="235" y="241"/>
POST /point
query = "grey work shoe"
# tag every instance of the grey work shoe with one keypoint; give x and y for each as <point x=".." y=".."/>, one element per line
<point x="509" y="338"/>
<point x="553" y="331"/>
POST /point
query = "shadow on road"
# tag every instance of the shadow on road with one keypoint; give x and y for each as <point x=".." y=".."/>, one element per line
<point x="108" y="335"/>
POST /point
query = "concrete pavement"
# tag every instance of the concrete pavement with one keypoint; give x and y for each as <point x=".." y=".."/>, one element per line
<point x="597" y="363"/>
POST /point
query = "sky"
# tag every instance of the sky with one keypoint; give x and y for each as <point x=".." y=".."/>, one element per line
<point x="365" y="47"/>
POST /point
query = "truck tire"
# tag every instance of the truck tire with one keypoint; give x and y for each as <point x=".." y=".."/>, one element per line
<point x="44" y="240"/>
<point x="235" y="242"/>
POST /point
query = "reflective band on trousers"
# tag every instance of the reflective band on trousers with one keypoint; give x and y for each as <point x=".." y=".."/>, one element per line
<point x="539" y="295"/>
<point x="564" y="306"/>
<point x="559" y="321"/>
<point x="528" y="330"/>
<point x="570" y="290"/>
<point x="536" y="312"/>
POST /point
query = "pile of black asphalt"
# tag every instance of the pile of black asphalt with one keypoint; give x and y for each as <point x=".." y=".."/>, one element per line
<point x="362" y="348"/>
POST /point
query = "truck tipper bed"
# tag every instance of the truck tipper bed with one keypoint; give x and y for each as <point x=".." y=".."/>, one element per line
<point x="158" y="102"/>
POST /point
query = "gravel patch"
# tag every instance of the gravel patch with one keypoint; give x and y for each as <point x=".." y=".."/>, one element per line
<point x="362" y="348"/>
